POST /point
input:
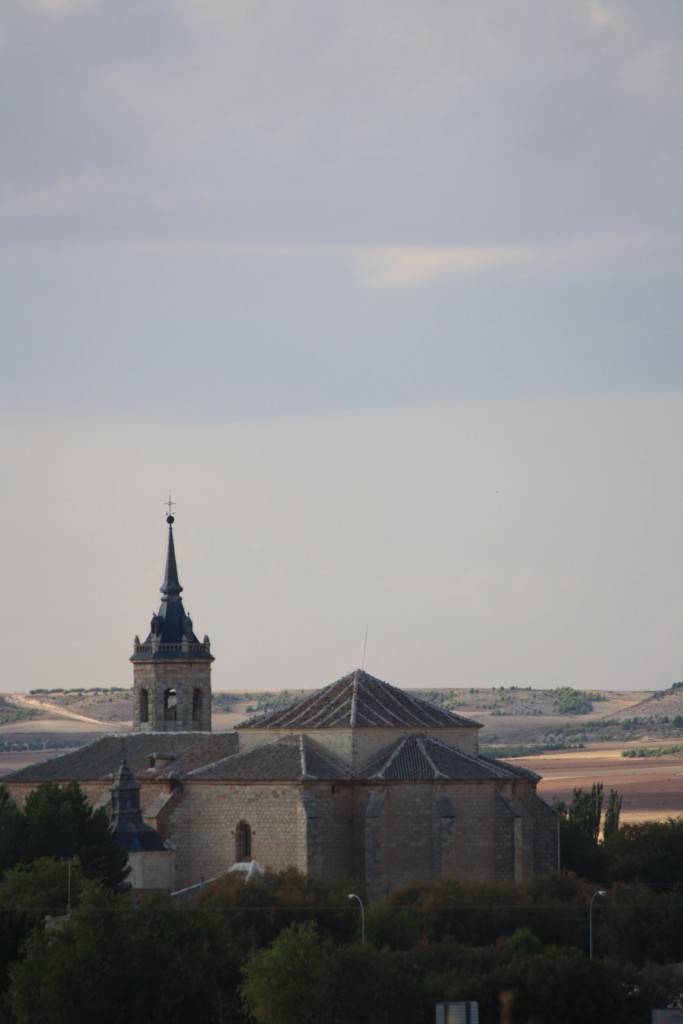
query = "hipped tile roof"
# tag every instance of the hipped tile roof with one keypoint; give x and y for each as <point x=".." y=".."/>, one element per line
<point x="175" y="755"/>
<point x="424" y="758"/>
<point x="358" y="700"/>
<point x="291" y="758"/>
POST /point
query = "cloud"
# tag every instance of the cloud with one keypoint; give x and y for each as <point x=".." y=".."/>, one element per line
<point x="407" y="266"/>
<point x="433" y="125"/>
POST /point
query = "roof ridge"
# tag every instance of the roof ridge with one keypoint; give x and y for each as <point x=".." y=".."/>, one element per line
<point x="420" y="742"/>
<point x="392" y="757"/>
<point x="354" y="700"/>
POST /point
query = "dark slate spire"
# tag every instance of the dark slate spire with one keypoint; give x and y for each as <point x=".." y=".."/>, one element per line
<point x="171" y="630"/>
<point x="126" y="817"/>
<point x="171" y="585"/>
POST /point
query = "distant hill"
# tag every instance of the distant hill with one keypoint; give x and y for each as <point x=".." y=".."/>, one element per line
<point x="516" y="719"/>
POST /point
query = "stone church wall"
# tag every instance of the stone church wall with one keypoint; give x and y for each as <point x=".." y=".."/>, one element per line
<point x="329" y="810"/>
<point x="419" y="832"/>
<point x="204" y="823"/>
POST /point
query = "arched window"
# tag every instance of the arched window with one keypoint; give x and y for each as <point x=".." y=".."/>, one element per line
<point x="197" y="706"/>
<point x="170" y="706"/>
<point x="243" y="841"/>
<point x="144" y="706"/>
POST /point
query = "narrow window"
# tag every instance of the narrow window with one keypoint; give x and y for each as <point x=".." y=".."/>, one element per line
<point x="170" y="706"/>
<point x="197" y="706"/>
<point x="144" y="706"/>
<point x="243" y="841"/>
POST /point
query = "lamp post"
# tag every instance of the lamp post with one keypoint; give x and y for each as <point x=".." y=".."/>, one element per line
<point x="352" y="896"/>
<point x="600" y="892"/>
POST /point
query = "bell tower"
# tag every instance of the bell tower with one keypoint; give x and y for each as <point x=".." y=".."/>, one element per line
<point x="171" y="669"/>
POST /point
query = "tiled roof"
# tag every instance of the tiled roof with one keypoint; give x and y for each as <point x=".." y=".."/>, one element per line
<point x="425" y="758"/>
<point x="358" y="700"/>
<point x="175" y="754"/>
<point x="290" y="758"/>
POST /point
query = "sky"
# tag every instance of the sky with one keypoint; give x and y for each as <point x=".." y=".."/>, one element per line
<point x="387" y="295"/>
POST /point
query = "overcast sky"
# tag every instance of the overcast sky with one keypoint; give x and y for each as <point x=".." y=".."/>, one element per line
<point x="388" y="294"/>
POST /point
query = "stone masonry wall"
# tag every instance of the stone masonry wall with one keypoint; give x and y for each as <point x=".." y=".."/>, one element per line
<point x="182" y="676"/>
<point x="331" y="833"/>
<point x="418" y="838"/>
<point x="203" y="824"/>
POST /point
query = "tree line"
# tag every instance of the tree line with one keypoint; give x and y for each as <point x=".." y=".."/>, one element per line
<point x="76" y="946"/>
<point x="606" y="851"/>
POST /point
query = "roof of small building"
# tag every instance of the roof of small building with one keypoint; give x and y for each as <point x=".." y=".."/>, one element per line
<point x="359" y="700"/>
<point x="149" y="755"/>
<point x="295" y="758"/>
<point x="424" y="758"/>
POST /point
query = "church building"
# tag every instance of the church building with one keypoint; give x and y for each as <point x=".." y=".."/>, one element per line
<point x="359" y="782"/>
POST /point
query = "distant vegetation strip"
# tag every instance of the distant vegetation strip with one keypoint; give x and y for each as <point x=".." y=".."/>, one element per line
<point x="17" y="746"/>
<point x="671" y="748"/>
<point x="273" y="701"/>
<point x="79" y="689"/>
<point x="11" y="713"/>
<point x="562" y="700"/>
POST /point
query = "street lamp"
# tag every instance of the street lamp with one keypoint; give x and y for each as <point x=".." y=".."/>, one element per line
<point x="600" y="892"/>
<point x="352" y="896"/>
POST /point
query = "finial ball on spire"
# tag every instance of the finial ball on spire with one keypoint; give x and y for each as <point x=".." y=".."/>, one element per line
<point x="169" y="504"/>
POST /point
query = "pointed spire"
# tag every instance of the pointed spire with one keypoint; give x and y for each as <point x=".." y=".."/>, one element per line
<point x="171" y="585"/>
<point x="171" y="631"/>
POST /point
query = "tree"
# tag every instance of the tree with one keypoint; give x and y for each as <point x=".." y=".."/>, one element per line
<point x="29" y="894"/>
<point x="59" y="823"/>
<point x="305" y="978"/>
<point x="650" y="851"/>
<point x="638" y="925"/>
<point x="586" y="810"/>
<point x="290" y="981"/>
<point x="579" y="831"/>
<point x="11" y="827"/>
<point x="256" y="913"/>
<point x="117" y="960"/>
<point x="612" y="814"/>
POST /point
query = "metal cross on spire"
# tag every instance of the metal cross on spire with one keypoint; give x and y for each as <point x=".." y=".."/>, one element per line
<point x="169" y="504"/>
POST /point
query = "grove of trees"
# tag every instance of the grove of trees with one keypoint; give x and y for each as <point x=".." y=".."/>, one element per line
<point x="287" y="950"/>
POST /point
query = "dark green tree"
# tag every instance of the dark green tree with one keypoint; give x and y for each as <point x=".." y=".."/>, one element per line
<point x="586" y="810"/>
<point x="256" y="912"/>
<point x="29" y="895"/>
<point x="649" y="851"/>
<point x="115" y="960"/>
<point x="612" y="814"/>
<point x="304" y="977"/>
<point x="11" y="828"/>
<point x="641" y="925"/>
<point x="59" y="823"/>
<point x="580" y="850"/>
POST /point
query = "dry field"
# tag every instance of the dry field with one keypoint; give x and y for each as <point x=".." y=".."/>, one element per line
<point x="651" y="787"/>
